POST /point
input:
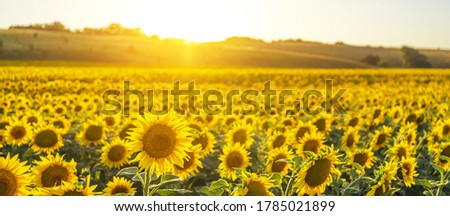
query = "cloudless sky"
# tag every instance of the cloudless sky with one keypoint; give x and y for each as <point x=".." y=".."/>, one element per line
<point x="419" y="23"/>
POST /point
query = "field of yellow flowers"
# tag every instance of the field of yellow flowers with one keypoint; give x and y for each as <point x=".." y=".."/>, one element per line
<point x="57" y="139"/>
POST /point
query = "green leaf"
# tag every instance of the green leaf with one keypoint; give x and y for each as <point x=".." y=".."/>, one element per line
<point x="423" y="182"/>
<point x="136" y="177"/>
<point x="438" y="168"/>
<point x="169" y="177"/>
<point x="276" y="179"/>
<point x="170" y="192"/>
<point x="120" y="194"/>
<point x="128" y="172"/>
<point x="219" y="184"/>
<point x="206" y="191"/>
<point x="239" y="172"/>
<point x="359" y="167"/>
<point x="392" y="191"/>
<point x="444" y="158"/>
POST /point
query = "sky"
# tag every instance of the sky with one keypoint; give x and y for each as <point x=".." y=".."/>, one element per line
<point x="418" y="23"/>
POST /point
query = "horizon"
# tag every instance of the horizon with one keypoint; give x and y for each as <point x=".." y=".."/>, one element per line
<point x="358" y="23"/>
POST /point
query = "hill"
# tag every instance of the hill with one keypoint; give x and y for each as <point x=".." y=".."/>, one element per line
<point x="40" y="45"/>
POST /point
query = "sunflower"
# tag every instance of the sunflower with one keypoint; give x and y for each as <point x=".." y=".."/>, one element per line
<point x="316" y="173"/>
<point x="301" y="130"/>
<point x="408" y="166"/>
<point x="240" y="133"/>
<point x="124" y="131"/>
<point x="110" y="120"/>
<point x="191" y="164"/>
<point x="206" y="140"/>
<point x="444" y="129"/>
<point x="46" y="139"/>
<point x="443" y="150"/>
<point x="400" y="150"/>
<point x="276" y="166"/>
<point x="3" y="122"/>
<point x="234" y="156"/>
<point x="60" y="109"/>
<point x="119" y="185"/>
<point x="32" y="117"/>
<point x="288" y="122"/>
<point x="61" y="123"/>
<point x="311" y="142"/>
<point x="279" y="140"/>
<point x="18" y="132"/>
<point x="164" y="141"/>
<point x="196" y="126"/>
<point x="265" y="125"/>
<point x="377" y="115"/>
<point x="381" y="138"/>
<point x="52" y="171"/>
<point x="364" y="157"/>
<point x="116" y="153"/>
<point x="254" y="185"/>
<point x="323" y="122"/>
<point x="74" y="189"/>
<point x="384" y="176"/>
<point x="408" y="132"/>
<point x="13" y="176"/>
<point x="93" y="132"/>
<point x="350" y="139"/>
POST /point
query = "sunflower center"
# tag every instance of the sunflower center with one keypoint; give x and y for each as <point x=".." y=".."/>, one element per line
<point x="124" y="132"/>
<point x="361" y="158"/>
<point x="240" y="136"/>
<point x="279" y="141"/>
<point x="235" y="159"/>
<point x="196" y="127"/>
<point x="278" y="166"/>
<point x="401" y="153"/>
<point x="78" y="108"/>
<point x="159" y="141"/>
<point x="409" y="138"/>
<point x="46" y="139"/>
<point x="187" y="162"/>
<point x="32" y="119"/>
<point x="311" y="145"/>
<point x="301" y="132"/>
<point x="318" y="173"/>
<point x="119" y="189"/>
<point x="381" y="139"/>
<point x="58" y="124"/>
<point x="230" y="121"/>
<point x="320" y="124"/>
<point x="446" y="130"/>
<point x="116" y="153"/>
<point x="353" y="122"/>
<point x="3" y="125"/>
<point x="407" y="168"/>
<point x="256" y="188"/>
<point x="110" y="121"/>
<point x="54" y="175"/>
<point x="73" y="193"/>
<point x="288" y="123"/>
<point x="411" y="118"/>
<point x="59" y="110"/>
<point x="350" y="140"/>
<point x="18" y="132"/>
<point x="202" y="140"/>
<point x="94" y="133"/>
<point x="377" y="113"/>
<point x="266" y="126"/>
<point x="8" y="184"/>
<point x="445" y="152"/>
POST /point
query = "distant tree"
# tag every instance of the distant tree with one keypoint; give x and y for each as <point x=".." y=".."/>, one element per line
<point x="35" y="35"/>
<point x="414" y="59"/>
<point x="1" y="44"/>
<point x="383" y="64"/>
<point x="339" y="43"/>
<point x="371" y="60"/>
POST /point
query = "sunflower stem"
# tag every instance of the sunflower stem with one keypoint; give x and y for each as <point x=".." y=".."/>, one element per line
<point x="441" y="185"/>
<point x="147" y="182"/>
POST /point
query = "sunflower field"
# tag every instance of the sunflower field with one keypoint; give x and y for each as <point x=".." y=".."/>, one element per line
<point x="56" y="139"/>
